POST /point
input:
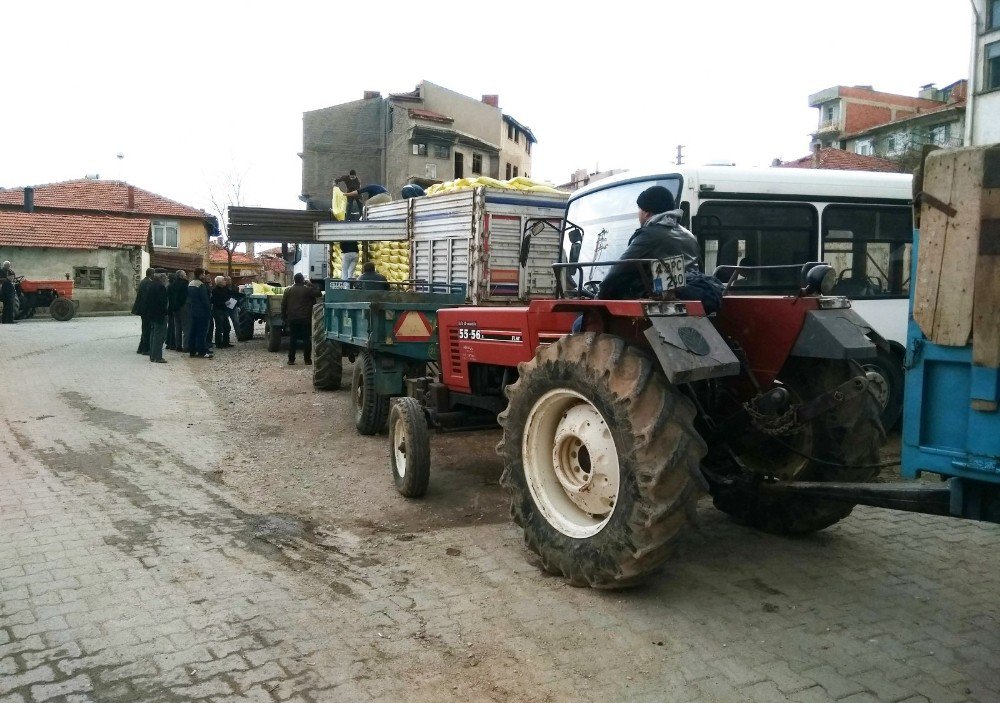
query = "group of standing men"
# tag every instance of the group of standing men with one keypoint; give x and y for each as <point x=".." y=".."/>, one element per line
<point x="185" y="314"/>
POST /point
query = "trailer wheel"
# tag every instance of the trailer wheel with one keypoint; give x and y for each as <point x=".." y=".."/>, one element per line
<point x="410" y="448"/>
<point x="888" y="387"/>
<point x="328" y="362"/>
<point x="371" y="410"/>
<point x="245" y="331"/>
<point x="601" y="459"/>
<point x="273" y="333"/>
<point x="843" y="444"/>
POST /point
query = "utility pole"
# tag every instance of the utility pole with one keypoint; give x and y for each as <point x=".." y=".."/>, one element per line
<point x="680" y="154"/>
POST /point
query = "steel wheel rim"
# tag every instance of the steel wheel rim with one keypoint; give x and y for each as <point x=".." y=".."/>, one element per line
<point x="878" y="385"/>
<point x="399" y="446"/>
<point x="571" y="463"/>
<point x="359" y="395"/>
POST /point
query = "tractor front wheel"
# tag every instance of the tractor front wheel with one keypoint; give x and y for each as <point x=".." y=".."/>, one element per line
<point x="62" y="309"/>
<point x="601" y="459"/>
<point x="841" y="444"/>
<point x="410" y="448"/>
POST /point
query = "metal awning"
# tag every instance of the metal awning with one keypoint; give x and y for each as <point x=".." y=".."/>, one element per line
<point x="261" y="224"/>
<point x="362" y="231"/>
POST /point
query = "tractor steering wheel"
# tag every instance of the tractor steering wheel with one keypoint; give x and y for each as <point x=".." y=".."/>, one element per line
<point x="590" y="289"/>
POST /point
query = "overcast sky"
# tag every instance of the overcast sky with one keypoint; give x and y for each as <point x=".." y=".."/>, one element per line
<point x="190" y="92"/>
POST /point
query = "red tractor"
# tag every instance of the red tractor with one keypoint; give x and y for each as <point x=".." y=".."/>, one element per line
<point x="55" y="295"/>
<point x="612" y="434"/>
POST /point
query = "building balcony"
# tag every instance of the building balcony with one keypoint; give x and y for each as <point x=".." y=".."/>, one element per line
<point x="828" y="127"/>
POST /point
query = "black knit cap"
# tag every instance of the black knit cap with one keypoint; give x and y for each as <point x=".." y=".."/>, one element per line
<point x="655" y="199"/>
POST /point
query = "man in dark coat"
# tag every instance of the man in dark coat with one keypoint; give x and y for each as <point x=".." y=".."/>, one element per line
<point x="659" y="236"/>
<point x="177" y="297"/>
<point x="157" y="303"/>
<point x="220" y="312"/>
<point x="7" y="293"/>
<point x="201" y="312"/>
<point x="370" y="279"/>
<point x="296" y="312"/>
<point x="139" y="308"/>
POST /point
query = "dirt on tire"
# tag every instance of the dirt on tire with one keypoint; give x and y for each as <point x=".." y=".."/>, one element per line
<point x="658" y="448"/>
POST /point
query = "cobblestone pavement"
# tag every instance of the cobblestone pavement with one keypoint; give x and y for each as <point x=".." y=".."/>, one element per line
<point x="129" y="573"/>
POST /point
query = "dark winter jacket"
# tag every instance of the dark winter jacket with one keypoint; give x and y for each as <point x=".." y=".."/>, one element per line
<point x="197" y="299"/>
<point x="220" y="294"/>
<point x="659" y="238"/>
<point x="156" y="301"/>
<point x="177" y="293"/>
<point x="372" y="280"/>
<point x="297" y="302"/>
<point x="139" y="306"/>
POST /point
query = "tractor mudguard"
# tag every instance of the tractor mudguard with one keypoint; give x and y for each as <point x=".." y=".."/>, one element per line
<point x="835" y="334"/>
<point x="690" y="349"/>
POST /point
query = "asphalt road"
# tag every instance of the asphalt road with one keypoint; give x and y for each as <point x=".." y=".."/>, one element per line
<point x="214" y="530"/>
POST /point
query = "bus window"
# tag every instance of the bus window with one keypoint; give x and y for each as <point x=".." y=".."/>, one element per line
<point x="869" y="246"/>
<point x="609" y="217"/>
<point x="757" y="234"/>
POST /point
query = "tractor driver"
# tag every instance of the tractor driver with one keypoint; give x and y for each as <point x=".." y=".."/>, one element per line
<point x="7" y="293"/>
<point x="6" y="271"/>
<point x="660" y="235"/>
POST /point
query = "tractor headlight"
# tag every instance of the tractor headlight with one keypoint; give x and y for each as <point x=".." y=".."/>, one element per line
<point x="820" y="279"/>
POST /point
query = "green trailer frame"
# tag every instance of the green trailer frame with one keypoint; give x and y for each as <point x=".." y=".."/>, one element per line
<point x="398" y="327"/>
<point x="266" y="308"/>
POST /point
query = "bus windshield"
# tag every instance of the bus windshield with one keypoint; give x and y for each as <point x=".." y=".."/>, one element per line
<point x="608" y="217"/>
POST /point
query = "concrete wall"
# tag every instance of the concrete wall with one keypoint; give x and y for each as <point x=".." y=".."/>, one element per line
<point x="122" y="272"/>
<point x="471" y="116"/>
<point x="983" y="124"/>
<point x="193" y="239"/>
<point x="337" y="139"/>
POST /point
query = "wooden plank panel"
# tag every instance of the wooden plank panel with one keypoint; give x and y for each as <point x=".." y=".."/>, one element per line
<point x="986" y="307"/>
<point x="946" y="276"/>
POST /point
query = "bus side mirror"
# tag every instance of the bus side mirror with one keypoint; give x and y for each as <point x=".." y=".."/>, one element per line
<point x="533" y="231"/>
<point x="575" y="237"/>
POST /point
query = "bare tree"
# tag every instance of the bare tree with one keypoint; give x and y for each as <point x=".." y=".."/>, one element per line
<point x="227" y="191"/>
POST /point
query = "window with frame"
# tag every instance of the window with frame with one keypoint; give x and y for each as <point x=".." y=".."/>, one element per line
<point x="88" y="277"/>
<point x="517" y="136"/>
<point x="864" y="147"/>
<point x="508" y="172"/>
<point x="527" y="145"/>
<point x="419" y="149"/>
<point x="477" y="163"/>
<point x="166" y="234"/>
<point x="994" y="19"/>
<point x="941" y="134"/>
<point x="430" y="170"/>
<point x="896" y="143"/>
<point x="757" y="234"/>
<point x="510" y="131"/>
<point x="869" y="247"/>
<point x="991" y="71"/>
<point x="514" y="171"/>
<point x="442" y="151"/>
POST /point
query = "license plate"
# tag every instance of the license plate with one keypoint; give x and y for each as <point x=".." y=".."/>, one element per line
<point x="668" y="274"/>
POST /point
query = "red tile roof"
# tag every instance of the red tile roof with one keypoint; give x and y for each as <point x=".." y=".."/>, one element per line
<point x="841" y="160"/>
<point x="218" y="255"/>
<point x="39" y="229"/>
<point x="429" y="115"/>
<point x="103" y="196"/>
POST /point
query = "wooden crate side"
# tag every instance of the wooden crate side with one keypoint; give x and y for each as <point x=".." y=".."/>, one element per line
<point x="946" y="268"/>
<point x="986" y="305"/>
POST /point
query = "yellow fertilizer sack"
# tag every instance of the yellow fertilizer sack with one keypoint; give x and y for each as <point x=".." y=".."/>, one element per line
<point x="339" y="207"/>
<point x="519" y="183"/>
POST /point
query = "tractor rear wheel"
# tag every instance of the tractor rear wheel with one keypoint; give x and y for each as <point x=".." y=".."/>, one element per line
<point x="62" y="309"/>
<point x="601" y="459"/>
<point x="273" y="333"/>
<point x="371" y="410"/>
<point x="841" y="444"/>
<point x="328" y="361"/>
<point x="245" y="331"/>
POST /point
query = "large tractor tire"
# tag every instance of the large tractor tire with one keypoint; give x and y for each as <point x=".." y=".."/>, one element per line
<point x="273" y="333"/>
<point x="328" y="360"/>
<point x="62" y="309"/>
<point x="888" y="386"/>
<point x="841" y="444"/>
<point x="410" y="448"/>
<point x="245" y="331"/>
<point x="601" y="459"/>
<point x="371" y="410"/>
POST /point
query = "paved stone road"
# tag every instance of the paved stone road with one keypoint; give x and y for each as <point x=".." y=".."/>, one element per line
<point x="127" y="573"/>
